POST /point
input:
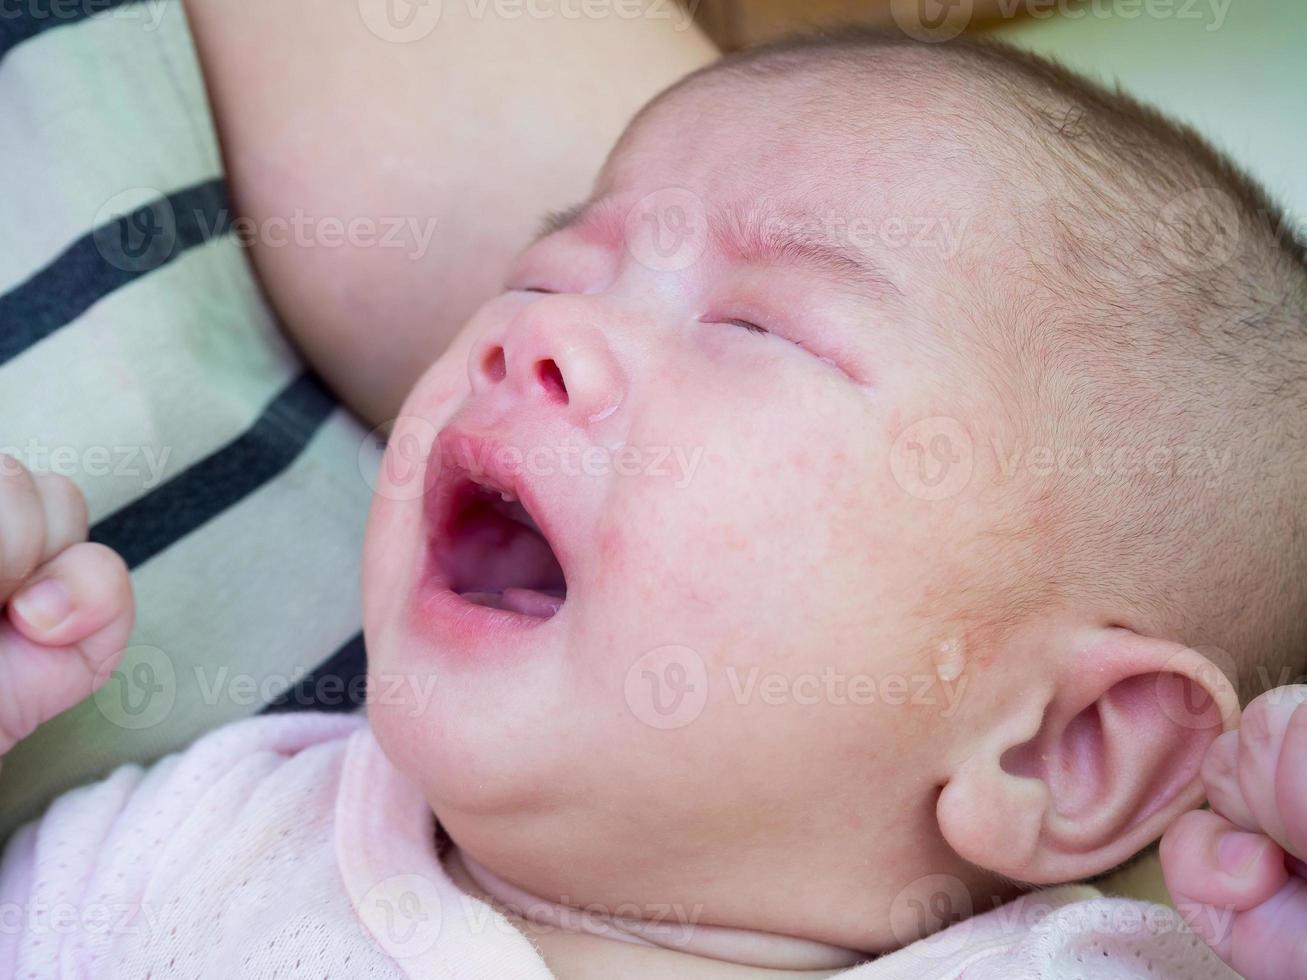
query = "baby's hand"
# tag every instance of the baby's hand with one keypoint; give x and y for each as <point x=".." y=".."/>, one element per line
<point x="68" y="604"/>
<point x="1236" y="873"/>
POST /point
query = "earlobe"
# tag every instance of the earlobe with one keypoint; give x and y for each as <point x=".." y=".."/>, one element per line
<point x="993" y="823"/>
<point x="988" y="817"/>
<point x="1112" y="759"/>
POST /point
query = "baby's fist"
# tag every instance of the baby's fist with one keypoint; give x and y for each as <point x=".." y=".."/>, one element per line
<point x="68" y="604"/>
<point x="1236" y="872"/>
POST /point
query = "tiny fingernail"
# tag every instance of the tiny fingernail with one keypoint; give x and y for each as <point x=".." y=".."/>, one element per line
<point x="44" y="605"/>
<point x="1236" y="851"/>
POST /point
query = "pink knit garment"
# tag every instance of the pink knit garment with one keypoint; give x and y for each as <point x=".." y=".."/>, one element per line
<point x="288" y="846"/>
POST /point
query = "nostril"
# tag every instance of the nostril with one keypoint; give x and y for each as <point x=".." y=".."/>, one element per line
<point x="493" y="364"/>
<point x="551" y="379"/>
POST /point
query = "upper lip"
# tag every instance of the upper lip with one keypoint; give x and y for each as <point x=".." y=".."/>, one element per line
<point x="476" y="457"/>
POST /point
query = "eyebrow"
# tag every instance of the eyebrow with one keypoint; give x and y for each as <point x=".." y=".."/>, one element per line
<point x="601" y="219"/>
<point x="745" y="236"/>
<point x="796" y="239"/>
<point x="555" y="221"/>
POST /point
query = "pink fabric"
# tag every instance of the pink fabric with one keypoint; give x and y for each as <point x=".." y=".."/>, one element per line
<point x="289" y="846"/>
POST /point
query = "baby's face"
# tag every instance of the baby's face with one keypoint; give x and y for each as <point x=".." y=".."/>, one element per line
<point x="716" y="664"/>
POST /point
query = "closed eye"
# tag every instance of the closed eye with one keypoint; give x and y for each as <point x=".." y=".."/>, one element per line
<point x="754" y="328"/>
<point x="746" y="324"/>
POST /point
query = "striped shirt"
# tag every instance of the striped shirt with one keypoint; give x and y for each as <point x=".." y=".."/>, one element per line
<point x="138" y="357"/>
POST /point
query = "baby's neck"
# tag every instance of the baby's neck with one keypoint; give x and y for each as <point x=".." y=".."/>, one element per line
<point x="581" y="945"/>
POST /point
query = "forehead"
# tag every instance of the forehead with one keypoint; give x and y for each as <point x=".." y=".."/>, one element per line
<point x="856" y="154"/>
<point x="814" y="141"/>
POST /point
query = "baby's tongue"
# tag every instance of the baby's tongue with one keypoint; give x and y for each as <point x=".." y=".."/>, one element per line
<point x="532" y="602"/>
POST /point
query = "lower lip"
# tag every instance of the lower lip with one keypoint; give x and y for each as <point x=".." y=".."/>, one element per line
<point x="453" y="622"/>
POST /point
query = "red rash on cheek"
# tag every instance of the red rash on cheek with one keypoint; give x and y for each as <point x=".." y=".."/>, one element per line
<point x="611" y="545"/>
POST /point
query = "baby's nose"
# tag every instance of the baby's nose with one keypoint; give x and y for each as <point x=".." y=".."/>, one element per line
<point x="554" y="354"/>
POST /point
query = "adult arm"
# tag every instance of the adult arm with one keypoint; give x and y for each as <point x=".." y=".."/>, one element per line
<point x="436" y="143"/>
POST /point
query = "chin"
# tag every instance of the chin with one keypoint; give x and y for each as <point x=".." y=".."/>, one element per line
<point x="450" y="751"/>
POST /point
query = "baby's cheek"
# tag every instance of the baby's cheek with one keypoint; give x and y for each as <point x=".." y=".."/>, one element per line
<point x="439" y="391"/>
<point x="657" y="558"/>
<point x="444" y="385"/>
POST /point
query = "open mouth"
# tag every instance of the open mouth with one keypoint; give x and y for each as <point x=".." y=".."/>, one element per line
<point x="489" y="550"/>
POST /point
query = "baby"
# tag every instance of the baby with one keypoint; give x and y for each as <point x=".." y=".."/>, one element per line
<point x="871" y="504"/>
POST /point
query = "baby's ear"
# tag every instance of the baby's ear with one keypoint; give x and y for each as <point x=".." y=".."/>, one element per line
<point x="1092" y="764"/>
